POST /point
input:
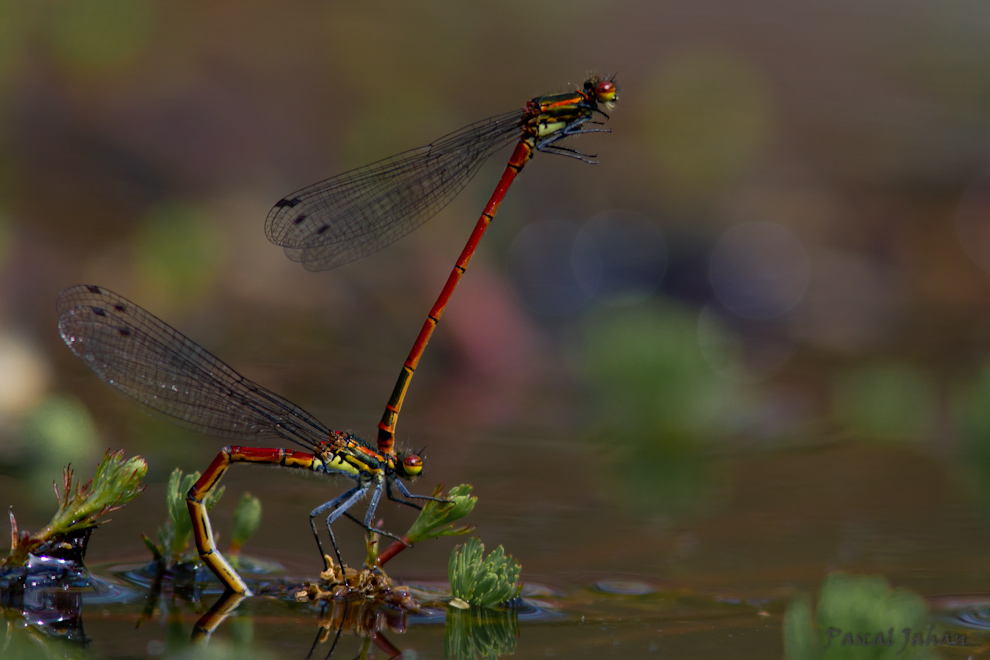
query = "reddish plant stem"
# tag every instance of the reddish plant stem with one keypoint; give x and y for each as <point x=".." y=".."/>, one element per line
<point x="393" y="550"/>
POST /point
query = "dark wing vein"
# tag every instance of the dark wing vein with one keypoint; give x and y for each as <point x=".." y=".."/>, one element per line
<point x="148" y="360"/>
<point x="359" y="212"/>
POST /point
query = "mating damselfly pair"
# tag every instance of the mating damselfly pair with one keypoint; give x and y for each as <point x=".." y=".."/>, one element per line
<point x="324" y="225"/>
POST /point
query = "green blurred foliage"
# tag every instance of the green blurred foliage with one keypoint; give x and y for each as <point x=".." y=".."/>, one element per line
<point x="392" y="57"/>
<point x="179" y="253"/>
<point x="857" y="605"/>
<point x="885" y="401"/>
<point x="707" y="117"/>
<point x="240" y="629"/>
<point x="92" y="38"/>
<point x="176" y="632"/>
<point x="59" y="430"/>
<point x="247" y="519"/>
<point x="674" y="476"/>
<point x="170" y="444"/>
<point x="971" y="413"/>
<point x="950" y="57"/>
<point x="480" y="633"/>
<point x="13" y="37"/>
<point x="646" y="366"/>
<point x="380" y="131"/>
<point x="387" y="76"/>
<point x="661" y="406"/>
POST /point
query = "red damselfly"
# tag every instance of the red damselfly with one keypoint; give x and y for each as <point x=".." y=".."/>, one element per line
<point x="148" y="360"/>
<point x="349" y="216"/>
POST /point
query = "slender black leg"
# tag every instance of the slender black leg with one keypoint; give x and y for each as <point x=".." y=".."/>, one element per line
<point x="339" y="504"/>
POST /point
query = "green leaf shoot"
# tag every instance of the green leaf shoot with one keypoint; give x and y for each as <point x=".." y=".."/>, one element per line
<point x="82" y="506"/>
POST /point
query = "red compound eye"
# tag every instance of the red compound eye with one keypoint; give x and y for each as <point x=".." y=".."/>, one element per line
<point x="412" y="464"/>
<point x="605" y="91"/>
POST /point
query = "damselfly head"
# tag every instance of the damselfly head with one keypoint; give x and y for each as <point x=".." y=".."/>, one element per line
<point x="603" y="89"/>
<point x="409" y="465"/>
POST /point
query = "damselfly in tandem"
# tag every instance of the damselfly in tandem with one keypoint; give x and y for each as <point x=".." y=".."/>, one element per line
<point x="356" y="213"/>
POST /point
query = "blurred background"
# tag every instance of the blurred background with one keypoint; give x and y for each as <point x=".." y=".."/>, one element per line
<point x="747" y="348"/>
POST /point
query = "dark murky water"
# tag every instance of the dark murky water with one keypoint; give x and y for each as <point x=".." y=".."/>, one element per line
<point x="729" y="582"/>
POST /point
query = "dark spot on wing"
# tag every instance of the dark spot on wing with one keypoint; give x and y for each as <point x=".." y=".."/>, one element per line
<point x="299" y="218"/>
<point x="124" y="332"/>
<point x="99" y="311"/>
<point x="93" y="289"/>
<point x="322" y="229"/>
<point x="282" y="203"/>
<point x="120" y="308"/>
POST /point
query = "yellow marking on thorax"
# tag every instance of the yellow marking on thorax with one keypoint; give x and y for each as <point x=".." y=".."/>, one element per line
<point x="542" y="129"/>
<point x="340" y="464"/>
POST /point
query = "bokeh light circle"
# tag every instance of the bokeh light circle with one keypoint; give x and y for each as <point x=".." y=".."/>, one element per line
<point x="619" y="256"/>
<point x="540" y="268"/>
<point x="759" y="270"/>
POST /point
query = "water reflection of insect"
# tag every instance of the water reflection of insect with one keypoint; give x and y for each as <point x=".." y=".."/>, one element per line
<point x="356" y="213"/>
<point x="366" y="619"/>
<point x="143" y="357"/>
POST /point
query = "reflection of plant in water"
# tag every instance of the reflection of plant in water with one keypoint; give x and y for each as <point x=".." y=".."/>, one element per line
<point x="483" y="581"/>
<point x="661" y="405"/>
<point x="22" y="641"/>
<point x="858" y="617"/>
<point x="80" y="508"/>
<point x="661" y="474"/>
<point x="223" y="650"/>
<point x="480" y="633"/>
<point x="478" y="584"/>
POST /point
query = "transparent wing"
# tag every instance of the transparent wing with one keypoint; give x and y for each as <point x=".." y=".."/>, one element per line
<point x="153" y="363"/>
<point x="359" y="212"/>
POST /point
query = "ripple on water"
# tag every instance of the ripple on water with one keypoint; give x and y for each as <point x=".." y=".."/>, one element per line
<point x="623" y="587"/>
<point x="46" y="575"/>
<point x="974" y="616"/>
